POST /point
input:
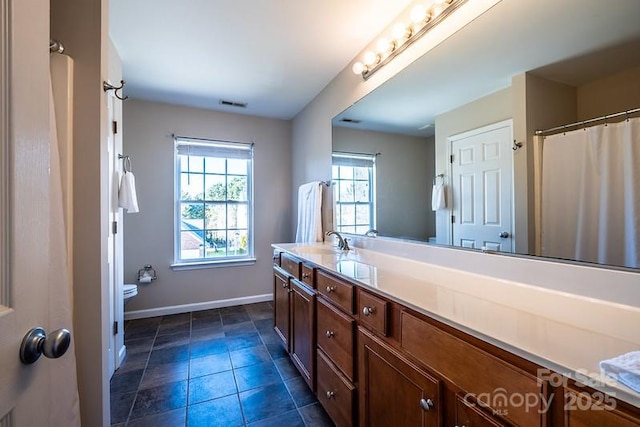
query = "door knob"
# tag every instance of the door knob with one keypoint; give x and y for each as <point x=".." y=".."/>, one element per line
<point x="503" y="235"/>
<point x="37" y="342"/>
<point x="426" y="404"/>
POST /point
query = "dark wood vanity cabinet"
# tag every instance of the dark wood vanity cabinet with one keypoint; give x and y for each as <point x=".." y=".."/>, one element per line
<point x="294" y="313"/>
<point x="302" y="347"/>
<point x="375" y="362"/>
<point x="281" y="310"/>
<point x="392" y="390"/>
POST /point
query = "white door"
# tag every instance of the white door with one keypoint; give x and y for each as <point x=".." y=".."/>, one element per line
<point x="481" y="185"/>
<point x="29" y="394"/>
<point x="115" y="242"/>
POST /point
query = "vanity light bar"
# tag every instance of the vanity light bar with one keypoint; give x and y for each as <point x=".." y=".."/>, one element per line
<point x="422" y="19"/>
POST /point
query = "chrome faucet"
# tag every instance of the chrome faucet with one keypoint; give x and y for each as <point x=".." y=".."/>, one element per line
<point x="342" y="242"/>
<point x="372" y="232"/>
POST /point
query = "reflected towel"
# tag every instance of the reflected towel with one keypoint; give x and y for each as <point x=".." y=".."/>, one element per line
<point x="127" y="197"/>
<point x="309" y="213"/>
<point x="624" y="369"/>
<point x="437" y="197"/>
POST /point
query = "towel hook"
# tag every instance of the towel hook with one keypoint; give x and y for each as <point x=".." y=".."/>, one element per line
<point x="438" y="176"/>
<point x="516" y="145"/>
<point x="106" y="86"/>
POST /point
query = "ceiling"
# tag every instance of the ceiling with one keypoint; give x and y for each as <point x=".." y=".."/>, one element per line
<point x="273" y="55"/>
<point x="569" y="41"/>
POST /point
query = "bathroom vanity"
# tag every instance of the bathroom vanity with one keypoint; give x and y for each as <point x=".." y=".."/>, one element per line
<point x="384" y="340"/>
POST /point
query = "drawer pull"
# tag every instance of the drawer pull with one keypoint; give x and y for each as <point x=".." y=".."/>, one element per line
<point x="330" y="289"/>
<point x="305" y="275"/>
<point x="330" y="394"/>
<point x="330" y="334"/>
<point x="367" y="311"/>
<point x="426" y="404"/>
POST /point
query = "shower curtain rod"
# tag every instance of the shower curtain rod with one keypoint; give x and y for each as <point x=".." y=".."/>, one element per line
<point x="585" y="122"/>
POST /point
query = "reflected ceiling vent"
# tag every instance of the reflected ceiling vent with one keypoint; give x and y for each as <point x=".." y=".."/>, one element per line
<point x="352" y="121"/>
<point x="427" y="126"/>
<point x="233" y="104"/>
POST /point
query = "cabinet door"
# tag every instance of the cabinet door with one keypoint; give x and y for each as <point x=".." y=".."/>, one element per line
<point x="393" y="390"/>
<point x="468" y="414"/>
<point x="303" y="325"/>
<point x="281" y="307"/>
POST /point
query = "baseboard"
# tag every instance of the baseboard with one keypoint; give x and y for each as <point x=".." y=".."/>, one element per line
<point x="185" y="308"/>
<point x="122" y="353"/>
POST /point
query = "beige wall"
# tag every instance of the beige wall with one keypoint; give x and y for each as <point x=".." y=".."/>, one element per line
<point x="612" y="94"/>
<point x="149" y="234"/>
<point x="404" y="172"/>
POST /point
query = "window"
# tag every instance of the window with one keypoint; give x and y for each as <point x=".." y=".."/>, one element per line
<point x="354" y="178"/>
<point x="213" y="201"/>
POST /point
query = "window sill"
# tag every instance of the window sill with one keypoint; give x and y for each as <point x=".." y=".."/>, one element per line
<point x="213" y="264"/>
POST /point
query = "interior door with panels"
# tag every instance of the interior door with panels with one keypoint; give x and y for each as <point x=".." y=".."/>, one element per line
<point x="482" y="186"/>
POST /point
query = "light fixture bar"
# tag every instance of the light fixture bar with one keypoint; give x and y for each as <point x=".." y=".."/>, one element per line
<point x="368" y="70"/>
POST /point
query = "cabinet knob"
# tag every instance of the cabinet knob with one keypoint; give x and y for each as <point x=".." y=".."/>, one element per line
<point x="330" y="289"/>
<point x="330" y="334"/>
<point x="284" y="285"/>
<point x="426" y="404"/>
<point x="367" y="311"/>
<point x="330" y="394"/>
<point x="305" y="275"/>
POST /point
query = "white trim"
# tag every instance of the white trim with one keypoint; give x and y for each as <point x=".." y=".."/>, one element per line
<point x="5" y="135"/>
<point x="213" y="264"/>
<point x="185" y="308"/>
<point x="122" y="353"/>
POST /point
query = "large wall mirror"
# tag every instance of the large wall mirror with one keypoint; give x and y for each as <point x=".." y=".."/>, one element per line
<point x="522" y="66"/>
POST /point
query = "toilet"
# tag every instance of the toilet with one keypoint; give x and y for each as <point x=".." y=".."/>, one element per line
<point x="130" y="290"/>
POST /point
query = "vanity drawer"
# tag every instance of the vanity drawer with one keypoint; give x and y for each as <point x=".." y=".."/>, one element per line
<point x="336" y="336"/>
<point x="335" y="392"/>
<point x="337" y="291"/>
<point x="584" y="409"/>
<point x="373" y="312"/>
<point x="308" y="275"/>
<point x="475" y="371"/>
<point x="290" y="264"/>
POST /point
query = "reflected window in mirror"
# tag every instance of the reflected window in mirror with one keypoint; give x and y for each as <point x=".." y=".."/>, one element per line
<point x="353" y="176"/>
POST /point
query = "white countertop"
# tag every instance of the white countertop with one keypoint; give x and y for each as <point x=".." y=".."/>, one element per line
<point x="567" y="333"/>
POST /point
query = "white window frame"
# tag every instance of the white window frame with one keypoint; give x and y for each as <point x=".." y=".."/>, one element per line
<point x="227" y="149"/>
<point x="361" y="160"/>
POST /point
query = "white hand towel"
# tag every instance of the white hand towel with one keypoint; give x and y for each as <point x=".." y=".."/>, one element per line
<point x="437" y="197"/>
<point x="309" y="213"/>
<point x="624" y="368"/>
<point x="127" y="197"/>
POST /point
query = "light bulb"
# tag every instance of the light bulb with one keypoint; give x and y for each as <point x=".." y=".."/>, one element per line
<point x="358" y="68"/>
<point x="400" y="32"/>
<point x="418" y="14"/>
<point x="438" y="8"/>
<point x="384" y="46"/>
<point x="371" y="58"/>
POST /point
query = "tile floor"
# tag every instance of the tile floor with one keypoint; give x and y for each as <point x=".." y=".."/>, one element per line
<point x="219" y="367"/>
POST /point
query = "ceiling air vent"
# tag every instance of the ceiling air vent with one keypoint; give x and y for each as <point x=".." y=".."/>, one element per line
<point x="346" y="120"/>
<point x="233" y="104"/>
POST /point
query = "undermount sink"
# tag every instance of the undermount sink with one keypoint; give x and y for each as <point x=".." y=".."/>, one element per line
<point x="319" y="249"/>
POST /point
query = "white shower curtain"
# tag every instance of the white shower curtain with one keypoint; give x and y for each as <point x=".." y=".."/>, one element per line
<point x="591" y="194"/>
<point x="65" y="404"/>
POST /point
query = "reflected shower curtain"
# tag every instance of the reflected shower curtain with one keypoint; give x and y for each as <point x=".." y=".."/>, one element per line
<point x="591" y="194"/>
